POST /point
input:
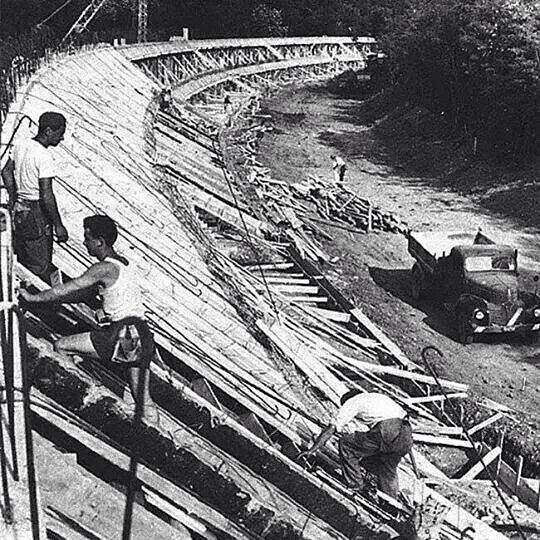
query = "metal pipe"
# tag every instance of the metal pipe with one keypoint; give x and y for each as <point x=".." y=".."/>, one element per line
<point x="30" y="461"/>
<point x="6" y="286"/>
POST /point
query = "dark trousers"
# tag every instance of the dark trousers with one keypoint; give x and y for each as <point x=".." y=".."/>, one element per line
<point x="379" y="451"/>
<point x="33" y="237"/>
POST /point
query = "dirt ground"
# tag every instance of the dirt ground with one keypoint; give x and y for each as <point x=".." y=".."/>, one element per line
<point x="405" y="165"/>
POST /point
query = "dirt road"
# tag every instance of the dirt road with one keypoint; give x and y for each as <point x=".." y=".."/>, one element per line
<point x="309" y="126"/>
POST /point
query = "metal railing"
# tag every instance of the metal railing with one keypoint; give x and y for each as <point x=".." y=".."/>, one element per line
<point x="15" y="370"/>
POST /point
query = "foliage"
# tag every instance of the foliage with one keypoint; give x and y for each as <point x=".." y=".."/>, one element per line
<point x="476" y="62"/>
<point x="267" y="21"/>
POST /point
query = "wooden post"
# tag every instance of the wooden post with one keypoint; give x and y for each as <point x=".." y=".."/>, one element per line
<point x="518" y="473"/>
<point x="370" y="217"/>
<point x="500" y="442"/>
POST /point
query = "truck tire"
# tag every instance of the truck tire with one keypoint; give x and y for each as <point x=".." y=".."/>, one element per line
<point x="465" y="334"/>
<point x="418" y="287"/>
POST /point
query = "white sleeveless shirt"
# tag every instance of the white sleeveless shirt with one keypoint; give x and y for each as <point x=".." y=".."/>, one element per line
<point x="123" y="298"/>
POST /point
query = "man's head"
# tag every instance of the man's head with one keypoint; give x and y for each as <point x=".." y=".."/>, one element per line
<point x="348" y="395"/>
<point x="100" y="234"/>
<point x="51" y="128"/>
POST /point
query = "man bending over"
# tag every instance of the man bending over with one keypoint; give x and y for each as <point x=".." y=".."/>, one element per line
<point x="127" y="340"/>
<point x="379" y="448"/>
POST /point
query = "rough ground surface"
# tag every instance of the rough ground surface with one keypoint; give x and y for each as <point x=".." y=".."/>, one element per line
<point x="404" y="163"/>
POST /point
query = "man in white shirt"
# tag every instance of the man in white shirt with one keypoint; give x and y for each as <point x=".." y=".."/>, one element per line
<point x="28" y="176"/>
<point x="381" y="437"/>
<point x="339" y="167"/>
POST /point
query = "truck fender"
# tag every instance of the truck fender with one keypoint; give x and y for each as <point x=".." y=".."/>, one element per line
<point x="467" y="303"/>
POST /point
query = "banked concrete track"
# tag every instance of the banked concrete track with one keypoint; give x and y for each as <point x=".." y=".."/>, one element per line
<point x="246" y="381"/>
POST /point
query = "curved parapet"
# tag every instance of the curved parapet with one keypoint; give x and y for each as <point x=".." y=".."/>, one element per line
<point x="211" y="62"/>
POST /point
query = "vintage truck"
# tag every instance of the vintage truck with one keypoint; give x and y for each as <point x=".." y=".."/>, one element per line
<point x="476" y="279"/>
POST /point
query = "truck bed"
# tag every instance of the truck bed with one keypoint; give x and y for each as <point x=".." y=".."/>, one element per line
<point x="437" y="244"/>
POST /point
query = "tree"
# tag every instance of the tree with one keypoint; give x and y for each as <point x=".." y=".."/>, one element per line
<point x="267" y="21"/>
<point x="475" y="61"/>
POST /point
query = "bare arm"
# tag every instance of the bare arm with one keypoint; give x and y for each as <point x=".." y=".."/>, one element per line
<point x="48" y="198"/>
<point x="8" y="178"/>
<point x="320" y="441"/>
<point x="70" y="291"/>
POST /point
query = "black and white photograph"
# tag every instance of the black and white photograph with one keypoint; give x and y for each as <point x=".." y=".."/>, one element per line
<point x="269" y="270"/>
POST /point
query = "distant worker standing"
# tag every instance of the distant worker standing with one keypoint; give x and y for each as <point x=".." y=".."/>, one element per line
<point x="379" y="449"/>
<point x="227" y="105"/>
<point x="128" y="340"/>
<point x="28" y="176"/>
<point x="339" y="167"/>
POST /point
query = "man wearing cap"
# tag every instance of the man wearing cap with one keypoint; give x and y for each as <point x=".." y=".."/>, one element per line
<point x="377" y="441"/>
<point x="28" y="176"/>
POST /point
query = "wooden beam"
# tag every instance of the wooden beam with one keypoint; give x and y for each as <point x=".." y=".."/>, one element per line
<point x="331" y="314"/>
<point x="441" y="441"/>
<point x="485" y="423"/>
<point x="438" y="397"/>
<point x="145" y="475"/>
<point x="377" y="333"/>
<point x="308" y="299"/>
<point x="477" y="468"/>
<point x="404" y="374"/>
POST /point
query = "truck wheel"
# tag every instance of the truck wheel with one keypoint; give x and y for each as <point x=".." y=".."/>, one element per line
<point x="465" y="335"/>
<point x="417" y="283"/>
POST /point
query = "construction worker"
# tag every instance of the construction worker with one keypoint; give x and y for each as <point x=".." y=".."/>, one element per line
<point x="338" y="167"/>
<point x="127" y="340"/>
<point x="165" y="99"/>
<point x="386" y="437"/>
<point x="28" y="176"/>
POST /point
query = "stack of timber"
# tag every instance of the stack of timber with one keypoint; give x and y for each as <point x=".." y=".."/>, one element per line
<point x="269" y="365"/>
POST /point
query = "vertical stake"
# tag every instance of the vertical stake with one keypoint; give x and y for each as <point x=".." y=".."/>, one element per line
<point x="518" y="474"/>
<point x="500" y="443"/>
<point x="369" y="218"/>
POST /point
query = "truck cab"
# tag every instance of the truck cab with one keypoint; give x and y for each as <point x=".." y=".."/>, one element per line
<point x="477" y="282"/>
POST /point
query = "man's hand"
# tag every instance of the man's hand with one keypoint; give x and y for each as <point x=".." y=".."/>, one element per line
<point x="26" y="296"/>
<point x="61" y="233"/>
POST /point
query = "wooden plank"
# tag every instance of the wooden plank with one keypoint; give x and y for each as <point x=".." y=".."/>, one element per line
<point x="506" y="474"/>
<point x="287" y="279"/>
<point x="308" y="299"/>
<point x="177" y="514"/>
<point x="438" y="429"/>
<point x="331" y="314"/>
<point x="377" y="333"/>
<point x="270" y="266"/>
<point x="144" y="474"/>
<point x="477" y="468"/>
<point x="442" y="441"/>
<point x="293" y="289"/>
<point x="404" y="374"/>
<point x="485" y="423"/>
<point x="438" y="397"/>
